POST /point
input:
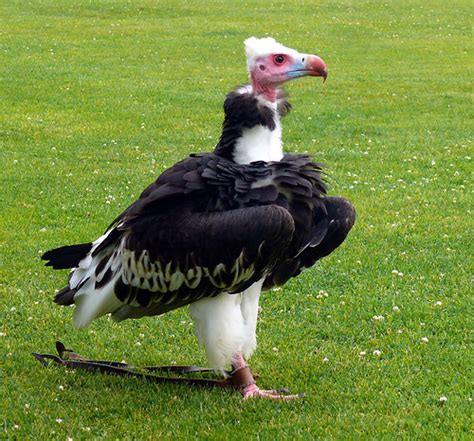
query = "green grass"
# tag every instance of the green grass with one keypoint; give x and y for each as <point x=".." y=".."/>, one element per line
<point x="97" y="98"/>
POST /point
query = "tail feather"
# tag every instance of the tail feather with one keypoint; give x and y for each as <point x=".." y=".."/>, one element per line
<point x="65" y="296"/>
<point x="92" y="280"/>
<point x="95" y="302"/>
<point x="68" y="256"/>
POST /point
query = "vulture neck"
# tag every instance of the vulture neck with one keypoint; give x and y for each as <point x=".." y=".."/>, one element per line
<point x="261" y="142"/>
<point x="268" y="93"/>
<point x="251" y="130"/>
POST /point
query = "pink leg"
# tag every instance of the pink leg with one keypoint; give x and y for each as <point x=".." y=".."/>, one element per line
<point x="247" y="385"/>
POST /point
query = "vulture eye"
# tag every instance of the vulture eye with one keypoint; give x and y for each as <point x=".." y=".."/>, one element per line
<point x="279" y="59"/>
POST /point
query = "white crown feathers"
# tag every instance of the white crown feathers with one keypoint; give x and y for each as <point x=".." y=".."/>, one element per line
<point x="259" y="47"/>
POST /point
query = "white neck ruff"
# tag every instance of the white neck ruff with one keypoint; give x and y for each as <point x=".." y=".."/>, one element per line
<point x="260" y="143"/>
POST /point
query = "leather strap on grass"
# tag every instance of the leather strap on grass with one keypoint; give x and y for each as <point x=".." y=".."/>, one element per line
<point x="68" y="358"/>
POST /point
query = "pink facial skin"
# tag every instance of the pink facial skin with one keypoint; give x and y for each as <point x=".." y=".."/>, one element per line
<point x="273" y="70"/>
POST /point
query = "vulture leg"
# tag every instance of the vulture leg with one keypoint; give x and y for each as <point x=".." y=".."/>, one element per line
<point x="226" y="325"/>
<point x="242" y="377"/>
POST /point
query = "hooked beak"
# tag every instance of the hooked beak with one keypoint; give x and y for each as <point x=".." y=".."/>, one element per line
<point x="316" y="67"/>
<point x="310" y="65"/>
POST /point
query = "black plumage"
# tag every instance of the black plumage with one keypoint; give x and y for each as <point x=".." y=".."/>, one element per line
<point x="67" y="256"/>
<point x="209" y="225"/>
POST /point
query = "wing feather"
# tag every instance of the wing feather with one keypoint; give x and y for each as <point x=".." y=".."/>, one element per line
<point x="206" y="225"/>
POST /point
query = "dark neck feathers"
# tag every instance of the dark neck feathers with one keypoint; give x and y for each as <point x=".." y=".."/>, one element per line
<point x="244" y="109"/>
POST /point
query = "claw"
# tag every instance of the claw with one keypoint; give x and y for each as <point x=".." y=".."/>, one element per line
<point x="253" y="391"/>
<point x="283" y="391"/>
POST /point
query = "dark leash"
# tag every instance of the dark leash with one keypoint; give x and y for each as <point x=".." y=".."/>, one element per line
<point x="69" y="359"/>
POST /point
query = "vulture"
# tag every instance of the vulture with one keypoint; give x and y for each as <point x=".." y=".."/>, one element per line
<point x="216" y="229"/>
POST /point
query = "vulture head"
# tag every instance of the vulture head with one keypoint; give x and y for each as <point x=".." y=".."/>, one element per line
<point x="271" y="64"/>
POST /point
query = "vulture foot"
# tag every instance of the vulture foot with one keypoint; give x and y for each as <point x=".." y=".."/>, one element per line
<point x="253" y="391"/>
<point x="242" y="378"/>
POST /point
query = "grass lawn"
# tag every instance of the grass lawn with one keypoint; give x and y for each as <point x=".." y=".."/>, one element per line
<point x="98" y="97"/>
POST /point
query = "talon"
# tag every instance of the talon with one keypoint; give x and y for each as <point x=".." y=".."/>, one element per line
<point x="253" y="391"/>
<point x="283" y="391"/>
<point x="243" y="379"/>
